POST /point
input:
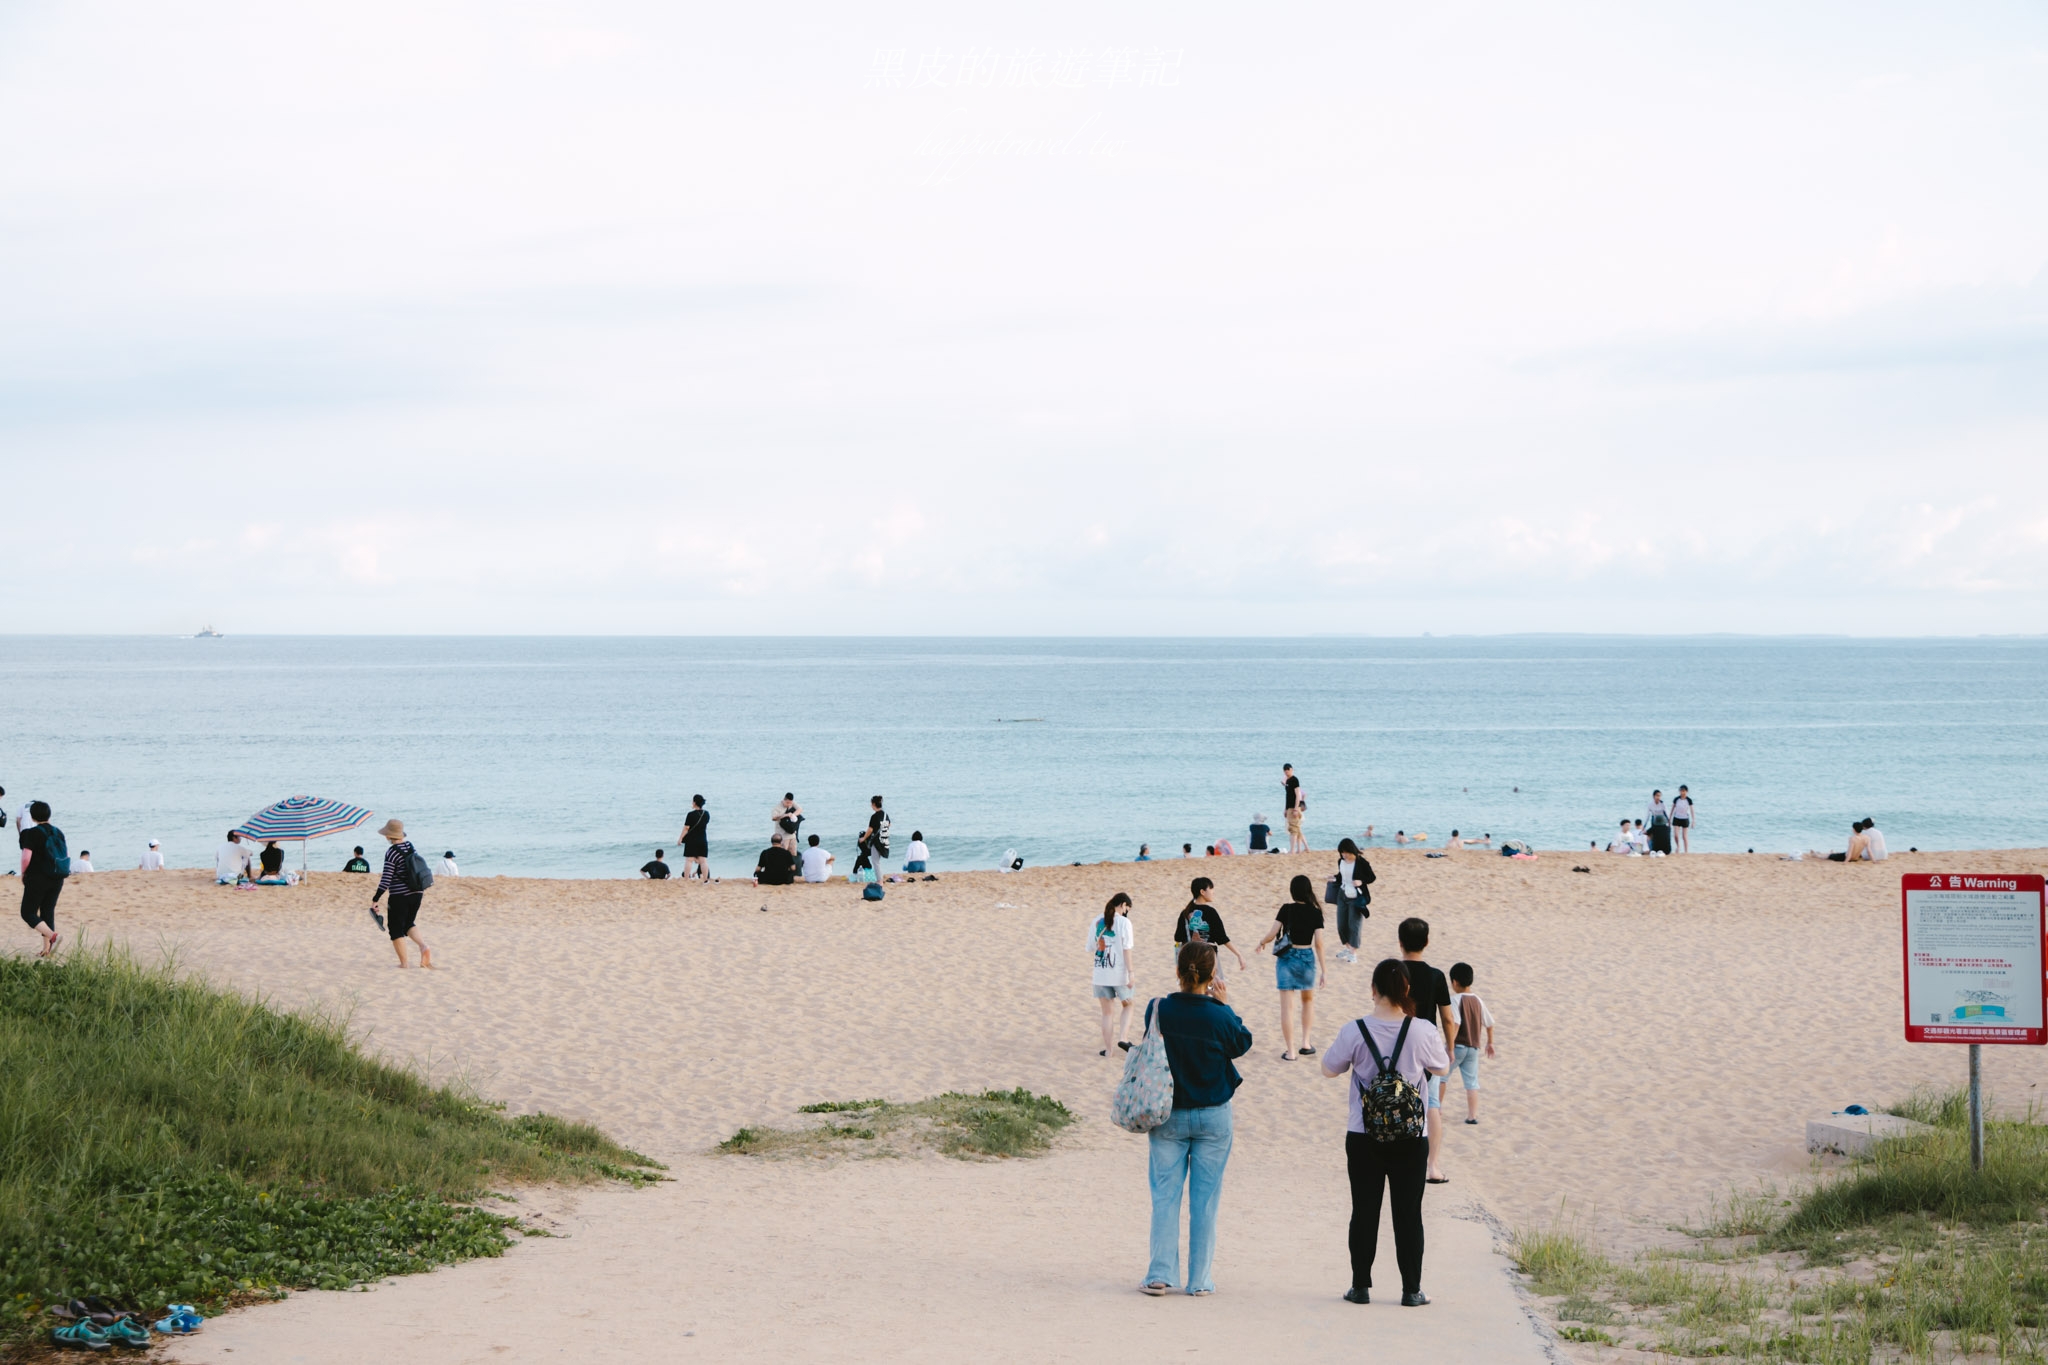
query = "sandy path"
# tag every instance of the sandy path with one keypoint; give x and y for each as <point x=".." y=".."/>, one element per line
<point x="1666" y="1028"/>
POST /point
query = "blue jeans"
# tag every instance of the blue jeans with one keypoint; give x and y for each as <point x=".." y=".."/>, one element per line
<point x="1192" y="1146"/>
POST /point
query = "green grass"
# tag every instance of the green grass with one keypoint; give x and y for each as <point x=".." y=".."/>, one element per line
<point x="995" y="1123"/>
<point x="1908" y="1254"/>
<point x="167" y="1141"/>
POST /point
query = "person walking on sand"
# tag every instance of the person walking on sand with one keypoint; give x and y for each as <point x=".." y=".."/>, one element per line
<point x="1203" y="1036"/>
<point x="1475" y="1030"/>
<point x="45" y="863"/>
<point x="1432" y="996"/>
<point x="875" y="846"/>
<point x="1354" y="898"/>
<point x="1297" y="806"/>
<point x="696" y="841"/>
<point x="1111" y="939"/>
<point x="1681" y="819"/>
<point x="1200" y="920"/>
<point x="407" y="891"/>
<point x="1298" y="968"/>
<point x="1385" y="1151"/>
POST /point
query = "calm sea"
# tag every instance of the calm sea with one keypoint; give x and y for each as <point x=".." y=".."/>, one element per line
<point x="577" y="757"/>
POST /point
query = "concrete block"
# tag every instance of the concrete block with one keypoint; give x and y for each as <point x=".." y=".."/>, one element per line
<point x="1853" y="1134"/>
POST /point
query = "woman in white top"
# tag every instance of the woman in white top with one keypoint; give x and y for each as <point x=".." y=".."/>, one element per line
<point x="1681" y="818"/>
<point x="917" y="857"/>
<point x="1412" y="1047"/>
<point x="1110" y="940"/>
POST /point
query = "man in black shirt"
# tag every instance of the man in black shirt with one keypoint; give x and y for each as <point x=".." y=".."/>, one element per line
<point x="874" y="843"/>
<point x="657" y="870"/>
<point x="776" y="866"/>
<point x="358" y="863"/>
<point x="45" y="861"/>
<point x="1432" y="995"/>
<point x="1290" y="791"/>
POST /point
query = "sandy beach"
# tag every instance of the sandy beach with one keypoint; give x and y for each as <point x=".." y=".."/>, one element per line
<point x="1666" y="1026"/>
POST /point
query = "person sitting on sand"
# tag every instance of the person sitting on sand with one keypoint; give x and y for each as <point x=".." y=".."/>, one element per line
<point x="270" y="864"/>
<point x="657" y="870"/>
<point x="775" y="866"/>
<point x="448" y="867"/>
<point x="918" y="856"/>
<point x="1187" y="850"/>
<point x="1859" y="848"/>
<point x="83" y="862"/>
<point x="152" y="857"/>
<point x="1873" y="842"/>
<point x="358" y="863"/>
<point x="1640" y="839"/>
<point x="1144" y="853"/>
<point x="817" y="863"/>
<point x="1260" y="829"/>
<point x="230" y="860"/>
<point x="1622" y="842"/>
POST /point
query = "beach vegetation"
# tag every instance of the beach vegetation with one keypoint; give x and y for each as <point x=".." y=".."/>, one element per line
<point x="164" y="1140"/>
<point x="1906" y="1254"/>
<point x="992" y="1124"/>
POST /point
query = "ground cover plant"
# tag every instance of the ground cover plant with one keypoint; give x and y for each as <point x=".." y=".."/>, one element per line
<point x="162" y="1140"/>
<point x="1906" y="1255"/>
<point x="995" y="1123"/>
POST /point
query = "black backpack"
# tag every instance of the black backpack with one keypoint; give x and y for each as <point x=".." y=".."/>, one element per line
<point x="1390" y="1106"/>
<point x="418" y="873"/>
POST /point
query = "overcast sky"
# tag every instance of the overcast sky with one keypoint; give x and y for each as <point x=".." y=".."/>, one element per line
<point x="888" y="318"/>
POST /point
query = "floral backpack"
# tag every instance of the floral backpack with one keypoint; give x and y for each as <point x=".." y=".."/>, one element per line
<point x="1390" y="1105"/>
<point x="1144" y="1097"/>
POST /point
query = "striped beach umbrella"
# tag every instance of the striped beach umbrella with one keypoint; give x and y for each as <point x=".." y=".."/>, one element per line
<point x="302" y="818"/>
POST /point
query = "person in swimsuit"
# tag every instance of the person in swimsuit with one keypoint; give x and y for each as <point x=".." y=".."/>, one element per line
<point x="696" y="841"/>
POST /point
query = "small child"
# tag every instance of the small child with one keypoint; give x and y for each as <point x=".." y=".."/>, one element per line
<point x="1475" y="1027"/>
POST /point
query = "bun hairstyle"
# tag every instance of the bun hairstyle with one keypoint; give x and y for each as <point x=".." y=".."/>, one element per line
<point x="1390" y="982"/>
<point x="1196" y="965"/>
<point x="1303" y="890"/>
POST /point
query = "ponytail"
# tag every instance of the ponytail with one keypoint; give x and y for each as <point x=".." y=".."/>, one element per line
<point x="1108" y="923"/>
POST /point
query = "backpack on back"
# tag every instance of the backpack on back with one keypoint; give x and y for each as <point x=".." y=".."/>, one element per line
<point x="418" y="873"/>
<point x="1390" y="1105"/>
<point x="59" y="851"/>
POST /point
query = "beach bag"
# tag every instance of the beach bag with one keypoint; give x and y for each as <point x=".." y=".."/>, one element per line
<point x="872" y="892"/>
<point x="418" y="873"/>
<point x="1390" y="1106"/>
<point x="1144" y="1097"/>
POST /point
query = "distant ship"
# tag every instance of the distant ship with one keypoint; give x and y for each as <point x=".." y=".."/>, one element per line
<point x="209" y="634"/>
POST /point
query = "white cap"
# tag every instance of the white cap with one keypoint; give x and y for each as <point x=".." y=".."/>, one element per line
<point x="152" y="843"/>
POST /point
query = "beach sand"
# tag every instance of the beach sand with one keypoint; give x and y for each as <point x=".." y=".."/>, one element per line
<point x="1666" y="1027"/>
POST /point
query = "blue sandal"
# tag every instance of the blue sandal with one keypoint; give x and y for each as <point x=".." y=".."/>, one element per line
<point x="84" y="1333"/>
<point x="127" y="1331"/>
<point x="183" y="1321"/>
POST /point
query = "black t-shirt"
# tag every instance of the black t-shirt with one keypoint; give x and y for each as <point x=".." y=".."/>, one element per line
<point x="36" y="839"/>
<point x="775" y="867"/>
<point x="1300" y="922"/>
<point x="357" y="864"/>
<point x="1209" y="928"/>
<point x="1259" y="833"/>
<point x="656" y="869"/>
<point x="272" y="861"/>
<point x="1430" y="990"/>
<point x="1290" y="791"/>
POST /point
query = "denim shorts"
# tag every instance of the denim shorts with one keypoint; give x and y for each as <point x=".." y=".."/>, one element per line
<point x="1436" y="1092"/>
<point x="1112" y="992"/>
<point x="1295" y="970"/>
<point x="914" y="865"/>
<point x="1468" y="1066"/>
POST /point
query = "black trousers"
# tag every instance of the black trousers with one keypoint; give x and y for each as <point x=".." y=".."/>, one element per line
<point x="39" y="900"/>
<point x="1376" y="1167"/>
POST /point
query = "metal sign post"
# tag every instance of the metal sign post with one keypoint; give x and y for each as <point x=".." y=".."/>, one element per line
<point x="1975" y="950"/>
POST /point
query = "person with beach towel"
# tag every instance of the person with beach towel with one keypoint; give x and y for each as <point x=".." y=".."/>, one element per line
<point x="407" y="889"/>
<point x="1203" y="1036"/>
<point x="1391" y="1054"/>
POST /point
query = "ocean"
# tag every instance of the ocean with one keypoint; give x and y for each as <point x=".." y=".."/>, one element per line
<point x="577" y="757"/>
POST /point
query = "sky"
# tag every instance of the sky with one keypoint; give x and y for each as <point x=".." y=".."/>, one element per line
<point x="1055" y="318"/>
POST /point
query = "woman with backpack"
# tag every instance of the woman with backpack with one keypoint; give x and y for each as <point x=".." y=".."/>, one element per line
<point x="1386" y="1149"/>
<point x="1203" y="1035"/>
<point x="1111" y="940"/>
<point x="406" y="878"/>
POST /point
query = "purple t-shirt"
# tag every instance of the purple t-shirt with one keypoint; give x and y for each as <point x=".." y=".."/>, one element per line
<point x="1424" y="1049"/>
